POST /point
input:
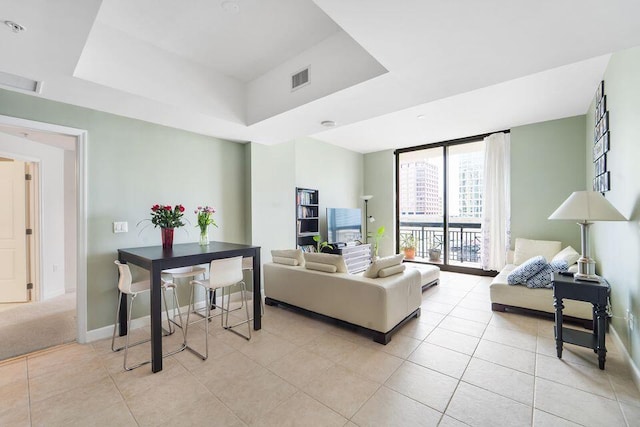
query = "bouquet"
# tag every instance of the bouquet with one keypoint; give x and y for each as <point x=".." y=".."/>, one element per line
<point x="167" y="216"/>
<point x="205" y="217"/>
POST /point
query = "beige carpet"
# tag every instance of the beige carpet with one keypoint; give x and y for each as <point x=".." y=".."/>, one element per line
<point x="34" y="326"/>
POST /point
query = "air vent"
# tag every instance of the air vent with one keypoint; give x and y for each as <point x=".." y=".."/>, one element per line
<point x="11" y="81"/>
<point x="299" y="79"/>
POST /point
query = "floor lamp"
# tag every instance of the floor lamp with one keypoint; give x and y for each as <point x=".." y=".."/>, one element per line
<point x="586" y="207"/>
<point x="366" y="216"/>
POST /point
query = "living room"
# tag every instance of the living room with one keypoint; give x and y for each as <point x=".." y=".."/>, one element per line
<point x="133" y="162"/>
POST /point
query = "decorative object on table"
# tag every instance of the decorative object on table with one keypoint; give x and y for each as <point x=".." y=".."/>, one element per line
<point x="367" y="218"/>
<point x="586" y="207"/>
<point x="602" y="178"/>
<point x="376" y="241"/>
<point x="408" y="245"/>
<point x="205" y="219"/>
<point x="168" y="218"/>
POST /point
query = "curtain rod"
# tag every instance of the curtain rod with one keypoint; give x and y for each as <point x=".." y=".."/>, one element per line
<point x="449" y="142"/>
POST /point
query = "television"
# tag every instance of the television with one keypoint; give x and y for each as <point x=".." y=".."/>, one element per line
<point x="344" y="225"/>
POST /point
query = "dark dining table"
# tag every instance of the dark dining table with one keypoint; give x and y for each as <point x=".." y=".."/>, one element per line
<point x="155" y="259"/>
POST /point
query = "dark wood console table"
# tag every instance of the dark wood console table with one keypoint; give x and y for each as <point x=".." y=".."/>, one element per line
<point x="566" y="287"/>
<point x="155" y="259"/>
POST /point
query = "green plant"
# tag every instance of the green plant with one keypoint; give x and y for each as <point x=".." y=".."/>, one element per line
<point x="407" y="241"/>
<point x="320" y="245"/>
<point x="434" y="241"/>
<point x="376" y="239"/>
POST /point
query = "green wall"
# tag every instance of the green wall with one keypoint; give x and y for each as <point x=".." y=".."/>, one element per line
<point x="379" y="181"/>
<point x="616" y="245"/>
<point x="547" y="165"/>
<point x="131" y="165"/>
<point x="277" y="170"/>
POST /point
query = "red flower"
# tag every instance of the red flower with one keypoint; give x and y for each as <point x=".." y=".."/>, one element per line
<point x="155" y="208"/>
<point x="181" y="208"/>
<point x="168" y="207"/>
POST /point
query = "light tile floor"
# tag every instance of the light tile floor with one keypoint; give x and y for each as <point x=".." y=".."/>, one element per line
<point x="458" y="364"/>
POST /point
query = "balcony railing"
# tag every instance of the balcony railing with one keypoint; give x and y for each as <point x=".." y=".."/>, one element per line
<point x="463" y="241"/>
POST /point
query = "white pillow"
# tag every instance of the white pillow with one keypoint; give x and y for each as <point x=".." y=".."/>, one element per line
<point x="285" y="261"/>
<point x="390" y="271"/>
<point x="374" y="269"/>
<point x="330" y="259"/>
<point x="288" y="253"/>
<point x="327" y="268"/>
<point x="527" y="249"/>
<point x="567" y="254"/>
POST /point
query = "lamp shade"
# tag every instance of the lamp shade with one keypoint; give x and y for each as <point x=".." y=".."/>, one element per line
<point x="587" y="206"/>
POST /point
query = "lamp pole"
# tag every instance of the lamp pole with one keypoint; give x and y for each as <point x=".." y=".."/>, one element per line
<point x="366" y="216"/>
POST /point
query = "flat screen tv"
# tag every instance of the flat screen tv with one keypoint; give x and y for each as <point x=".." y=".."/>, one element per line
<point x="344" y="225"/>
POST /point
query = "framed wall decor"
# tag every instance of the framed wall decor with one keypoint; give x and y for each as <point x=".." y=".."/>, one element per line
<point x="601" y="131"/>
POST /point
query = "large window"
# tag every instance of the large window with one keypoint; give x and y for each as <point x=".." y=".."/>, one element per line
<point x="440" y="200"/>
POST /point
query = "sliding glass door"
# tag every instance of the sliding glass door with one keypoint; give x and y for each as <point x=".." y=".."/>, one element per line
<point x="440" y="201"/>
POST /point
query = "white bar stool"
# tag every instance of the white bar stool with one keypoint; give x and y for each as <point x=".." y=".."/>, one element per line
<point x="223" y="273"/>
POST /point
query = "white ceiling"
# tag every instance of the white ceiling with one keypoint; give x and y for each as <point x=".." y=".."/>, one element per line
<point x="468" y="67"/>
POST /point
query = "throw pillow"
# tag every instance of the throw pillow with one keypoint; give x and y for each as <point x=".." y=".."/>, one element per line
<point x="567" y="254"/>
<point x="289" y="253"/>
<point x="376" y="266"/>
<point x="327" y="268"/>
<point x="331" y="259"/>
<point x="285" y="261"/>
<point x="390" y="271"/>
<point x="527" y="249"/>
<point x="542" y="279"/>
<point x="526" y="270"/>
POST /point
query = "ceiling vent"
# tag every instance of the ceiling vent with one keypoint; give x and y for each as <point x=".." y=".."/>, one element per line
<point x="300" y="79"/>
<point x="11" y="81"/>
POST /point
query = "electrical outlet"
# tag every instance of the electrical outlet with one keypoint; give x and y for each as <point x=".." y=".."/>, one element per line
<point x="121" y="227"/>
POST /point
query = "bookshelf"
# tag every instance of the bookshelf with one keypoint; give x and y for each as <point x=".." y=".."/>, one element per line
<point x="307" y="218"/>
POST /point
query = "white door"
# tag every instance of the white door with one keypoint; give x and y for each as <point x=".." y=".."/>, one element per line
<point x="13" y="263"/>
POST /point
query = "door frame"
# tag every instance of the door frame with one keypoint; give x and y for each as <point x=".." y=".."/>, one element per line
<point x="81" y="136"/>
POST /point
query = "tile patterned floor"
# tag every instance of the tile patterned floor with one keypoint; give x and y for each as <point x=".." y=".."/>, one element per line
<point x="458" y="364"/>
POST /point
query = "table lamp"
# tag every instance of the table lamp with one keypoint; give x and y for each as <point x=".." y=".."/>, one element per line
<point x="586" y="207"/>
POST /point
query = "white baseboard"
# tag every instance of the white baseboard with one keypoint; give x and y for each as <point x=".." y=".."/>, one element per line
<point x="107" y="331"/>
<point x="635" y="372"/>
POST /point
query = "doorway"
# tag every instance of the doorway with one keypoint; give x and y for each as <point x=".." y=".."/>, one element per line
<point x="70" y="145"/>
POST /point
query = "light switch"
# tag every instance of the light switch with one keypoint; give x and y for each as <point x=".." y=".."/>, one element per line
<point x="121" y="227"/>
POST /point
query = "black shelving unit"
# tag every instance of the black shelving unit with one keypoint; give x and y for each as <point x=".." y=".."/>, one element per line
<point x="307" y="218"/>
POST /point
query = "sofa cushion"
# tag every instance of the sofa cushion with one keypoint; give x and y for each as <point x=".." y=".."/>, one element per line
<point x="285" y="261"/>
<point x="331" y="259"/>
<point x="527" y="249"/>
<point x="376" y="266"/>
<point x="568" y="254"/>
<point x="288" y="253"/>
<point x="327" y="268"/>
<point x="526" y="270"/>
<point x="390" y="271"/>
<point x="542" y="279"/>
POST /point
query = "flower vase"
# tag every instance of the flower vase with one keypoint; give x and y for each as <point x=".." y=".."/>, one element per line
<point x="167" y="237"/>
<point x="204" y="236"/>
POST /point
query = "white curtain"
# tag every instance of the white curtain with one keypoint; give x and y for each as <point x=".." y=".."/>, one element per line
<point x="496" y="202"/>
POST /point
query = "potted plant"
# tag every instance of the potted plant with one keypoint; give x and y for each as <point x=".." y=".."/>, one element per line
<point x="408" y="245"/>
<point x="435" y="247"/>
<point x="320" y="245"/>
<point x="376" y="241"/>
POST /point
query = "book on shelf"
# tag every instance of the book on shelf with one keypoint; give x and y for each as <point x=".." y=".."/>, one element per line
<point x="308" y="248"/>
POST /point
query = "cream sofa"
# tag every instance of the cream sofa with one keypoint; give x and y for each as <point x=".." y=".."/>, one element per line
<point x="505" y="297"/>
<point x="377" y="306"/>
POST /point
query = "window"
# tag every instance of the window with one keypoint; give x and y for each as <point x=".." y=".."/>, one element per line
<point x="439" y="196"/>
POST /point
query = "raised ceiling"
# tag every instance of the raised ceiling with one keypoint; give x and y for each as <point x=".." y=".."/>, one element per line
<point x="223" y="68"/>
